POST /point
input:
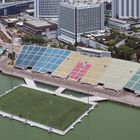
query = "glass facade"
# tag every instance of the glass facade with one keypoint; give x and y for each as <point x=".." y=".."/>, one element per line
<point x="126" y="9"/>
<point x="84" y="18"/>
<point x="46" y="8"/>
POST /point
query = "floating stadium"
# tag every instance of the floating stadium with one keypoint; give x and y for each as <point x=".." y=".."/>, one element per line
<point x="100" y="79"/>
<point x="110" y="73"/>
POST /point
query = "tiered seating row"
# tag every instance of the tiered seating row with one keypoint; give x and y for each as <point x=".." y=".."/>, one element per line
<point x="41" y="59"/>
<point x="79" y="71"/>
<point x="112" y="73"/>
<point x="118" y="74"/>
<point x="134" y="83"/>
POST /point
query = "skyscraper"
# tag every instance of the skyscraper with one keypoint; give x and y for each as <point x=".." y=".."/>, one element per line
<point x="46" y="8"/>
<point x="125" y="9"/>
<point x="78" y="18"/>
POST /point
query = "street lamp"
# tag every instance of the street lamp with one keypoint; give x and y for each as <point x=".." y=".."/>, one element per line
<point x="12" y="50"/>
<point x="88" y="93"/>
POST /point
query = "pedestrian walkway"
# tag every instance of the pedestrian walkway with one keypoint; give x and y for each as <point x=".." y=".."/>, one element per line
<point x="94" y="99"/>
<point x="30" y="82"/>
<point x="60" y="90"/>
<point x="3" y="29"/>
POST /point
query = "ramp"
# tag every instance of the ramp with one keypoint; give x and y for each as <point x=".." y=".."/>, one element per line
<point x="59" y="90"/>
<point x="30" y="82"/>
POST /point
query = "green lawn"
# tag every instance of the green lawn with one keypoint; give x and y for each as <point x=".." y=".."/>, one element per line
<point x="41" y="107"/>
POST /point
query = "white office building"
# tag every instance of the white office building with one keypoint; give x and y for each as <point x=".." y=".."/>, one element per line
<point x="125" y="9"/>
<point x="118" y="24"/>
<point x="78" y="18"/>
<point x="46" y="8"/>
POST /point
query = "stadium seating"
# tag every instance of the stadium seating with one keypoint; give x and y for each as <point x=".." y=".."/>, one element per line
<point x="68" y="64"/>
<point x="79" y="71"/>
<point x="50" y="60"/>
<point x="118" y="74"/>
<point x="41" y="59"/>
<point x="134" y="83"/>
<point x="111" y="73"/>
<point x="28" y="56"/>
<point x="98" y="68"/>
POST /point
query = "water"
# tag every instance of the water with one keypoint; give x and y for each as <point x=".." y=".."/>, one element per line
<point x="7" y="83"/>
<point x="74" y="93"/>
<point x="49" y="87"/>
<point x="109" y="121"/>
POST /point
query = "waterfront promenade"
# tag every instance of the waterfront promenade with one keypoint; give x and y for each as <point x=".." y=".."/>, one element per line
<point x="121" y="97"/>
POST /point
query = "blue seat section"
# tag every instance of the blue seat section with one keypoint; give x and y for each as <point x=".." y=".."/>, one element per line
<point x="50" y="60"/>
<point x="41" y="59"/>
<point x="28" y="56"/>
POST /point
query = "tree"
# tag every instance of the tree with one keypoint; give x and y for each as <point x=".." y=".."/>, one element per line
<point x="26" y="38"/>
<point x="138" y="54"/>
<point x="124" y="52"/>
<point x="130" y="42"/>
<point x="33" y="39"/>
<point x="71" y="47"/>
<point x="113" y="50"/>
<point x="12" y="56"/>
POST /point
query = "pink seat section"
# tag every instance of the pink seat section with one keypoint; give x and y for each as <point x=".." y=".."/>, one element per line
<point x="79" y="71"/>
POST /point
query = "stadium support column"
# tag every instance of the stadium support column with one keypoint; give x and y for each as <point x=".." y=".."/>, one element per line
<point x="75" y="27"/>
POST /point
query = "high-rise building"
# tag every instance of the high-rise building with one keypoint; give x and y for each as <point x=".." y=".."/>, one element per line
<point x="78" y="18"/>
<point x="125" y="9"/>
<point x="46" y="8"/>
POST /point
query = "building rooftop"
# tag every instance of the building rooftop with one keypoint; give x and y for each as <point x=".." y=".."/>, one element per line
<point x="11" y="20"/>
<point x="92" y="50"/>
<point x="81" y="5"/>
<point x="38" y="23"/>
<point x="93" y="1"/>
<point x="118" y="20"/>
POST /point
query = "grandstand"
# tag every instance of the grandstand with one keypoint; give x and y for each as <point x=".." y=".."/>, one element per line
<point x="109" y="72"/>
<point x="50" y="60"/>
<point x="40" y="59"/>
<point x="118" y="73"/>
<point x="79" y="71"/>
<point x="134" y="83"/>
<point x="99" y="65"/>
